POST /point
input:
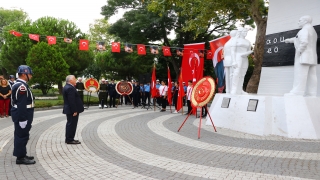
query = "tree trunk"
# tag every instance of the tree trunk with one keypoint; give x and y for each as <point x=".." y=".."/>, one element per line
<point x="60" y="87"/>
<point x="261" y="23"/>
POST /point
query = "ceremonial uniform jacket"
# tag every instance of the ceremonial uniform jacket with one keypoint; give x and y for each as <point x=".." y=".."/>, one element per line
<point x="136" y="89"/>
<point x="80" y="86"/>
<point x="22" y="101"/>
<point x="103" y="88"/>
<point x="112" y="89"/>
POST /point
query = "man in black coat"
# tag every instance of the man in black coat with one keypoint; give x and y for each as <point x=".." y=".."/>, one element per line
<point x="112" y="93"/>
<point x="72" y="107"/>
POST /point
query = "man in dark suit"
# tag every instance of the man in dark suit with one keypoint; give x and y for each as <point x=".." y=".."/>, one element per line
<point x="72" y="107"/>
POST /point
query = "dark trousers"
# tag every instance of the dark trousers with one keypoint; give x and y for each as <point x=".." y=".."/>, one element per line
<point x="135" y="99"/>
<point x="163" y="102"/>
<point x="103" y="96"/>
<point x="189" y="106"/>
<point x="112" y="101"/>
<point x="147" y="97"/>
<point x="175" y="101"/>
<point x="204" y="110"/>
<point x="71" y="126"/>
<point x="21" y="137"/>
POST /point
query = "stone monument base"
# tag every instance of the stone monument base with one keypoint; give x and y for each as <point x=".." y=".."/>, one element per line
<point x="288" y="116"/>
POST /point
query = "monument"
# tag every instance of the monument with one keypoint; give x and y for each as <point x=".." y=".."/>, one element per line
<point x="288" y="99"/>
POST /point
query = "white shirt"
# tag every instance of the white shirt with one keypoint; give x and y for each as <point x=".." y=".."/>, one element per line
<point x="189" y="90"/>
<point x="163" y="90"/>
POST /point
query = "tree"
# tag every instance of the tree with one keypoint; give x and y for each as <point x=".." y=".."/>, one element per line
<point x="6" y="17"/>
<point x="15" y="50"/>
<point x="203" y="11"/>
<point x="47" y="64"/>
<point x="145" y="27"/>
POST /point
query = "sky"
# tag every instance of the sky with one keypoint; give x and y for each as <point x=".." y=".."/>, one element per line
<point x="82" y="13"/>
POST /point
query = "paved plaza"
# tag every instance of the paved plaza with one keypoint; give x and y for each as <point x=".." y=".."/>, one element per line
<point x="126" y="143"/>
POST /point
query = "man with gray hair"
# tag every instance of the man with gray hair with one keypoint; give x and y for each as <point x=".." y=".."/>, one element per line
<point x="305" y="61"/>
<point x="72" y="106"/>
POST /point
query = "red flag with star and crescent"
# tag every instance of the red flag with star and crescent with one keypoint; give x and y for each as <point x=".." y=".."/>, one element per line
<point x="34" y="37"/>
<point x="51" y="40"/>
<point x="153" y="83"/>
<point x="169" y="87"/>
<point x="141" y="49"/>
<point x="115" y="47"/>
<point x="209" y="55"/>
<point x="192" y="63"/>
<point x="166" y="51"/>
<point x="216" y="46"/>
<point x="180" y="93"/>
<point x="15" y="33"/>
<point x="83" y="45"/>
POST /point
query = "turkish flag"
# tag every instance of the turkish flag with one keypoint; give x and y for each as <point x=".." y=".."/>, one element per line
<point x="15" y="33"/>
<point x="209" y="55"/>
<point x="51" y="39"/>
<point x="83" y="45"/>
<point x="115" y="47"/>
<point x="217" y="48"/>
<point x="34" y="37"/>
<point x="166" y="51"/>
<point x="141" y="49"/>
<point x="180" y="92"/>
<point x="192" y="63"/>
<point x="153" y="83"/>
<point x="169" y="87"/>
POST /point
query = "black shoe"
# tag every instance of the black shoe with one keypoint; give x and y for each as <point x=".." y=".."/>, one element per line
<point x="25" y="161"/>
<point x="162" y="110"/>
<point x="30" y="157"/>
<point x="74" y="142"/>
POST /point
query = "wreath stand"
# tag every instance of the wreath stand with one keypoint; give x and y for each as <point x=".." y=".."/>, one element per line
<point x="201" y="94"/>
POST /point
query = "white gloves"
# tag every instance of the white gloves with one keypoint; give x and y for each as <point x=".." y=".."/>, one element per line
<point x="23" y="124"/>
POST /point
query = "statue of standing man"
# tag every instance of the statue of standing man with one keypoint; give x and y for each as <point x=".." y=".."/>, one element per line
<point x="240" y="49"/>
<point x="305" y="61"/>
<point x="227" y="62"/>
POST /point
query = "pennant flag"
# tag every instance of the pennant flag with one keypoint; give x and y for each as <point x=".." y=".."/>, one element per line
<point x="169" y="87"/>
<point x="154" y="50"/>
<point x="34" y="37"/>
<point x="192" y="64"/>
<point x="67" y="40"/>
<point x="83" y="45"/>
<point x="209" y="55"/>
<point x="180" y="92"/>
<point x="115" y="47"/>
<point x="153" y="83"/>
<point x="179" y="52"/>
<point x="51" y="39"/>
<point x="141" y="49"/>
<point x="15" y="33"/>
<point x="128" y="48"/>
<point x="100" y="46"/>
<point x="166" y="51"/>
<point x="217" y="48"/>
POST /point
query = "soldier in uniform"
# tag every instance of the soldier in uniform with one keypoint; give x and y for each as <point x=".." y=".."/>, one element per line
<point x="103" y="94"/>
<point x="80" y="88"/>
<point x="22" y="114"/>
<point x="135" y="94"/>
<point x="112" y="93"/>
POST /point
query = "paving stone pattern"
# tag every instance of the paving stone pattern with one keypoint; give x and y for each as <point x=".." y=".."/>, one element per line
<point x="126" y="143"/>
